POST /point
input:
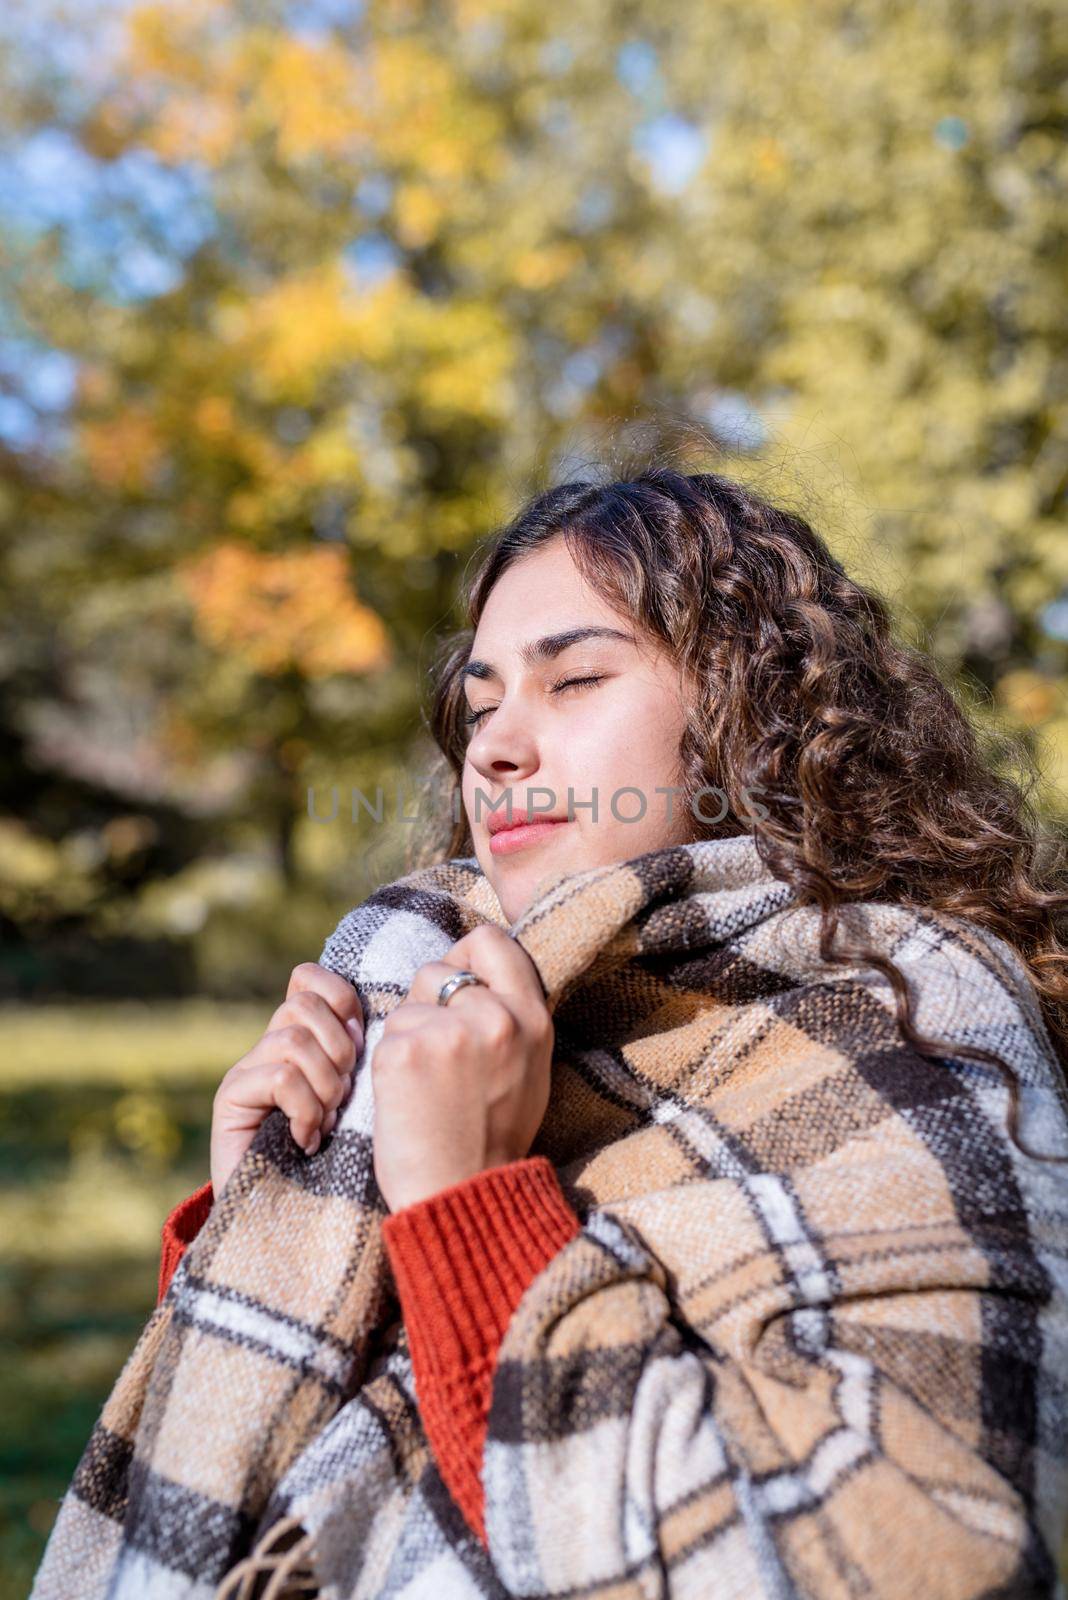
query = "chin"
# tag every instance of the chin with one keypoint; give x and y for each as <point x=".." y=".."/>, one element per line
<point x="515" y="896"/>
<point x="518" y="884"/>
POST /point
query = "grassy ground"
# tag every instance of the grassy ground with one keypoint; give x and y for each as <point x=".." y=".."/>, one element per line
<point x="105" y="1114"/>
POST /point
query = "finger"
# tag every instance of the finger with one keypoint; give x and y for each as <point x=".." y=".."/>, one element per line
<point x="484" y="1015"/>
<point x="283" y="1084"/>
<point x="413" y="1015"/>
<point x="338" y="992"/>
<point x="308" y="1009"/>
<point x="426" y="986"/>
<point x="295" y="1045"/>
<point x="498" y="959"/>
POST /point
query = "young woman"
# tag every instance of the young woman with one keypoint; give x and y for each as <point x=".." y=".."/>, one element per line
<point x="735" y="656"/>
<point x="649" y="661"/>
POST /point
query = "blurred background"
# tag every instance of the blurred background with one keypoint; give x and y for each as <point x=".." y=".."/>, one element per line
<point x="297" y="302"/>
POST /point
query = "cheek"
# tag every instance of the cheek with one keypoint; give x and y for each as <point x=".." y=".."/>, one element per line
<point x="469" y="782"/>
<point x="625" y="743"/>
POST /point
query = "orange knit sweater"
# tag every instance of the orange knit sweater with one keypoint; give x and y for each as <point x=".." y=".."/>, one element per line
<point x="461" y="1259"/>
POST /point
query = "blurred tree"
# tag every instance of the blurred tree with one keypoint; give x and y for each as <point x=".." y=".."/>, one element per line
<point x="342" y="278"/>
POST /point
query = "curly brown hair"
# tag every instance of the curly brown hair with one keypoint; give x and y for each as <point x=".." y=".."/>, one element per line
<point x="874" y="781"/>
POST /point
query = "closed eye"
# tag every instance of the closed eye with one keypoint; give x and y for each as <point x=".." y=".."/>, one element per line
<point x="474" y="717"/>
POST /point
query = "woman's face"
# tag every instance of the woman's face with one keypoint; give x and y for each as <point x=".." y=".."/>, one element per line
<point x="614" y="740"/>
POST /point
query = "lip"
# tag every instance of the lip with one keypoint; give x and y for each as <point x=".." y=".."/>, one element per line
<point x="503" y="841"/>
<point x="499" y="821"/>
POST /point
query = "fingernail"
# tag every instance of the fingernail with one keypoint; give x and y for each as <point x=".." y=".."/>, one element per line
<point x="355" y="1031"/>
<point x="331" y="1118"/>
<point x="346" y="1083"/>
<point x="312" y="1144"/>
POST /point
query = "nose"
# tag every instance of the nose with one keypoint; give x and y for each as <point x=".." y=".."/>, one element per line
<point x="503" y="749"/>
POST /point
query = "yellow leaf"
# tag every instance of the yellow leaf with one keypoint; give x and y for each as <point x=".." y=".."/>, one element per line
<point x="276" y="611"/>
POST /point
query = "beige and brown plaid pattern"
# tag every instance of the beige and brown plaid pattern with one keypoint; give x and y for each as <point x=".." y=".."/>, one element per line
<point x="811" y="1340"/>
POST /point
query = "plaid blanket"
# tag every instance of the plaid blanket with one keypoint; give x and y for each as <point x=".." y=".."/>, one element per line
<point x="811" y="1339"/>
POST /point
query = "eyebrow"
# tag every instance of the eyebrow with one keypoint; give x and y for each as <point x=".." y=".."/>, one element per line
<point x="545" y="648"/>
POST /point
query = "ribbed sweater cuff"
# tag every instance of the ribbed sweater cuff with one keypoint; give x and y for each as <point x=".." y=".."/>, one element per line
<point x="463" y="1257"/>
<point x="180" y="1229"/>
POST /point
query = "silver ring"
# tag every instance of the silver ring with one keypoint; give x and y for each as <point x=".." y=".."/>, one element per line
<point x="457" y="981"/>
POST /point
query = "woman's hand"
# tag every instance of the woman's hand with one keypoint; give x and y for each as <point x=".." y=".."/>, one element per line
<point x="464" y="1086"/>
<point x="302" y="1063"/>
